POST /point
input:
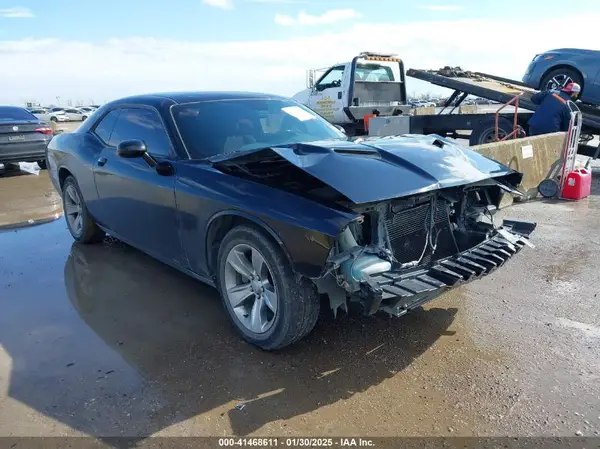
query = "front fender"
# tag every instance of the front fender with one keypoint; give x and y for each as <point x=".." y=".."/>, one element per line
<point x="303" y="228"/>
<point x="305" y="249"/>
<point x="573" y="64"/>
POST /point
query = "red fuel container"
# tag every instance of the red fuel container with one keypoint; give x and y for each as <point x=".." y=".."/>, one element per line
<point x="578" y="184"/>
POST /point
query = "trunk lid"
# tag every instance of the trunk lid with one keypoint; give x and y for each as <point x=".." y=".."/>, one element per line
<point x="22" y="131"/>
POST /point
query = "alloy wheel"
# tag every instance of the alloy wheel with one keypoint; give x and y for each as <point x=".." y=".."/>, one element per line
<point x="250" y="289"/>
<point x="73" y="209"/>
<point x="558" y="82"/>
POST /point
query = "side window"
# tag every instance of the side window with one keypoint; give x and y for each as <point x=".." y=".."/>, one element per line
<point x="145" y="125"/>
<point x="105" y="127"/>
<point x="332" y="79"/>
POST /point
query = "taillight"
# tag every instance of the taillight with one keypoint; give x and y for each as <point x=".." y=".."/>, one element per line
<point x="44" y="130"/>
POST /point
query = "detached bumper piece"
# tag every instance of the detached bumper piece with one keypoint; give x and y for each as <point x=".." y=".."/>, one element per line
<point x="397" y="293"/>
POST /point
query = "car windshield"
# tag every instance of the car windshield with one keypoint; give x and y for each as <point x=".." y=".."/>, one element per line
<point x="12" y="113"/>
<point x="218" y="127"/>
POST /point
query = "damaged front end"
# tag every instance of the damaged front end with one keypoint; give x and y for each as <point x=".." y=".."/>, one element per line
<point x="426" y="213"/>
<point x="402" y="253"/>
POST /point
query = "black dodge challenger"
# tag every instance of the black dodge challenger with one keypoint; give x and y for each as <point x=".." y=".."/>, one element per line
<point x="265" y="200"/>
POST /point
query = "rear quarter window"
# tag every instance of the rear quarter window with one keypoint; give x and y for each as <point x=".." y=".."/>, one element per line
<point x="105" y="126"/>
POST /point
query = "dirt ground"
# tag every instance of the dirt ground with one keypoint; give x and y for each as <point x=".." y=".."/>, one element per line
<point x="103" y="340"/>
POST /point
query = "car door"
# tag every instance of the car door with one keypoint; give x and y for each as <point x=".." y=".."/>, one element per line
<point x="592" y="93"/>
<point x="40" y="114"/>
<point x="326" y="96"/>
<point x="134" y="200"/>
<point x="73" y="114"/>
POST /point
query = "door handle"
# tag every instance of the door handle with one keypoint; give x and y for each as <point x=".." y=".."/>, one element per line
<point x="101" y="161"/>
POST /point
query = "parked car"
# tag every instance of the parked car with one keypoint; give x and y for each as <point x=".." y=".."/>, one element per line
<point x="23" y="137"/>
<point x="556" y="68"/>
<point x="48" y="116"/>
<point x="76" y="115"/>
<point x="266" y="200"/>
<point x="87" y="109"/>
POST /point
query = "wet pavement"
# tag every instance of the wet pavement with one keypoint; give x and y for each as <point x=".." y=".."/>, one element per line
<point x="103" y="340"/>
<point x="26" y="198"/>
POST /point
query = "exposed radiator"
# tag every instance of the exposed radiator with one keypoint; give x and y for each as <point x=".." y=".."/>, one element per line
<point x="408" y="229"/>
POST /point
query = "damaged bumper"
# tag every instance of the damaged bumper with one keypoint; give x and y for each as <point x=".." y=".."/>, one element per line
<point x="397" y="292"/>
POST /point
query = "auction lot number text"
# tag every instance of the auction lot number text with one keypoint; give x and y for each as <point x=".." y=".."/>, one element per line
<point x="296" y="442"/>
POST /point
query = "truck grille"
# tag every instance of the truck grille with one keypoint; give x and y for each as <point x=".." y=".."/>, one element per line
<point x="408" y="229"/>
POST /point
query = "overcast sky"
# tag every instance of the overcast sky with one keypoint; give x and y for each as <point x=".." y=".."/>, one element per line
<point x="85" y="50"/>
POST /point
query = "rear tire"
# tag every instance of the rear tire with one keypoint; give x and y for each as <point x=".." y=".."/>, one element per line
<point x="295" y="309"/>
<point x="557" y="78"/>
<point x="80" y="223"/>
<point x="53" y="119"/>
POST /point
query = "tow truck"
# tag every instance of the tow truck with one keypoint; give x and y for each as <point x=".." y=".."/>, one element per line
<point x="373" y="84"/>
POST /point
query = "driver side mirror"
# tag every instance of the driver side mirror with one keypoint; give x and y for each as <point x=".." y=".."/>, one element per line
<point x="310" y="78"/>
<point x="131" y="148"/>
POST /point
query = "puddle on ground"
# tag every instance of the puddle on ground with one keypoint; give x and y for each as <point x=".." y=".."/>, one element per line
<point x="27" y="197"/>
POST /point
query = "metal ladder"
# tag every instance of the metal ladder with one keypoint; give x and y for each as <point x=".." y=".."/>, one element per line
<point x="571" y="144"/>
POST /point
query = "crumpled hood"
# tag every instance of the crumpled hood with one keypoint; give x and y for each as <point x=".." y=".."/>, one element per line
<point x="376" y="169"/>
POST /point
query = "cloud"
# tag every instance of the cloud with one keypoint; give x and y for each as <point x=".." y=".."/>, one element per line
<point x="17" y="13"/>
<point x="145" y="64"/>
<point x="223" y="4"/>
<point x="442" y="7"/>
<point x="328" y="17"/>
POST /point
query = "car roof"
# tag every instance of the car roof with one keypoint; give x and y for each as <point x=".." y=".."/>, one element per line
<point x="189" y="97"/>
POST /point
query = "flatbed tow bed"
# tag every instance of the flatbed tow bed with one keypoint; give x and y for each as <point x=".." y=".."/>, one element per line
<point x="490" y="87"/>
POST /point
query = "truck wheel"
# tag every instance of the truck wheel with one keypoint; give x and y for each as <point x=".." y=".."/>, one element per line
<point x="350" y="130"/>
<point x="485" y="132"/>
<point x="267" y="303"/>
<point x="560" y="77"/>
<point x="42" y="164"/>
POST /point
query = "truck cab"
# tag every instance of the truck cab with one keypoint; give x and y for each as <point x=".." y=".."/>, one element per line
<point x="346" y="93"/>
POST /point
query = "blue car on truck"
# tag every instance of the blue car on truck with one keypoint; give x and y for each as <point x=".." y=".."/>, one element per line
<point x="556" y="68"/>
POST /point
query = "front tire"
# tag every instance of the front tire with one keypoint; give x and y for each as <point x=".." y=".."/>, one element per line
<point x="53" y="119"/>
<point x="268" y="305"/>
<point x="42" y="164"/>
<point x="81" y="225"/>
<point x="558" y="78"/>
